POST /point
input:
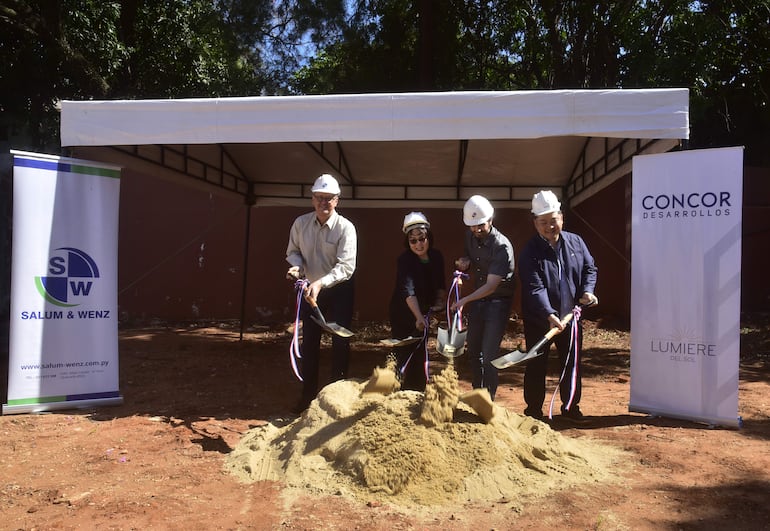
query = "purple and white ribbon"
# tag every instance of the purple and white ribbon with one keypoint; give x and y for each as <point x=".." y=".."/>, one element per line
<point x="294" y="346"/>
<point x="574" y="352"/>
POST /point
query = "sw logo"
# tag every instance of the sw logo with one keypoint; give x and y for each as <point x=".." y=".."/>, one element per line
<point x="67" y="277"/>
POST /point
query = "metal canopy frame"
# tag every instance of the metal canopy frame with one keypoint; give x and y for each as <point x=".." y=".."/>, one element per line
<point x="387" y="150"/>
<point x="591" y="170"/>
<point x="428" y="149"/>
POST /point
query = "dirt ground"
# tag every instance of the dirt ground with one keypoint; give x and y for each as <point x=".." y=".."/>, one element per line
<point x="192" y="391"/>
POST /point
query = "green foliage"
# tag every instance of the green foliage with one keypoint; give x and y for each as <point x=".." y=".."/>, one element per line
<point x="76" y="49"/>
<point x="46" y="51"/>
<point x="720" y="50"/>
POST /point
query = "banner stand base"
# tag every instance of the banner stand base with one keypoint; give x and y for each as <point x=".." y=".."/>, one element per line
<point x="736" y="422"/>
<point x="56" y="406"/>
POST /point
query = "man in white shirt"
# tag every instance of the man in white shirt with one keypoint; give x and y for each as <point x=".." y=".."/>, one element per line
<point x="322" y="248"/>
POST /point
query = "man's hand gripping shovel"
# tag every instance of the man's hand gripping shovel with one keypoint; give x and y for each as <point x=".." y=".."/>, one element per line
<point x="317" y="316"/>
<point x="516" y="357"/>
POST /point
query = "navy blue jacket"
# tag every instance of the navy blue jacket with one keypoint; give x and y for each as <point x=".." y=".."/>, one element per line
<point x="539" y="272"/>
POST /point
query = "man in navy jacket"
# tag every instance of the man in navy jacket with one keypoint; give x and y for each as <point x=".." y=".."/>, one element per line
<point x="557" y="272"/>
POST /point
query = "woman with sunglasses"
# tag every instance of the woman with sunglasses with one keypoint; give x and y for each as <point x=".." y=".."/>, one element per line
<point x="420" y="287"/>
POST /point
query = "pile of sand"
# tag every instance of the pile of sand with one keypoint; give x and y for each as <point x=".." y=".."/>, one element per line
<point x="375" y="447"/>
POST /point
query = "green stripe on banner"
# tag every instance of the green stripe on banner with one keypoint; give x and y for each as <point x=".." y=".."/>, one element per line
<point x="41" y="400"/>
<point x="66" y="167"/>
<point x="91" y="170"/>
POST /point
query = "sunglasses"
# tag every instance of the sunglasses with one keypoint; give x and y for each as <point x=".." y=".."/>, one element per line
<point x="415" y="241"/>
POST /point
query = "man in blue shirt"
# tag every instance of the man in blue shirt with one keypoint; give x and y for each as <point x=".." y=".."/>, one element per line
<point x="489" y="261"/>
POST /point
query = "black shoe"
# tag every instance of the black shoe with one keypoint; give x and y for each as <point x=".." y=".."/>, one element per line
<point x="574" y="414"/>
<point x="536" y="414"/>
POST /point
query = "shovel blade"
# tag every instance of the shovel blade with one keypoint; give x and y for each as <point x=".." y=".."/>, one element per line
<point x="442" y="336"/>
<point x="457" y="339"/>
<point x="450" y="351"/>
<point x="339" y="329"/>
<point x="450" y="343"/>
<point x="332" y="327"/>
<point x="515" y="357"/>
<point x="400" y="342"/>
<point x="507" y="360"/>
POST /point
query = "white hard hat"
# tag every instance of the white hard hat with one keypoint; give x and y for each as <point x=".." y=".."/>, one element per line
<point x="477" y="210"/>
<point x="545" y="202"/>
<point x="415" y="220"/>
<point x="326" y="184"/>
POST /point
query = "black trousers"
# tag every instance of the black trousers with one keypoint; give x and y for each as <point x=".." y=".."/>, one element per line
<point x="336" y="304"/>
<point x="537" y="368"/>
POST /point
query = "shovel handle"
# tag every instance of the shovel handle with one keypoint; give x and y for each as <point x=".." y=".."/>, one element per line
<point x="551" y="333"/>
<point x="556" y="330"/>
<point x="310" y="300"/>
<point x="564" y="322"/>
<point x="516" y="356"/>
<point x="314" y="306"/>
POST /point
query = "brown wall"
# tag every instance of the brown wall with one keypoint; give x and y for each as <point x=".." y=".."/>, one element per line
<point x="181" y="251"/>
<point x="755" y="264"/>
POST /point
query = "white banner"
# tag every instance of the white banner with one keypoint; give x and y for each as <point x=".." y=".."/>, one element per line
<point x="686" y="284"/>
<point x="63" y="327"/>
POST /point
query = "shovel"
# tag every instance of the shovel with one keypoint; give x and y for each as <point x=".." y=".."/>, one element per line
<point x="319" y="318"/>
<point x="451" y="342"/>
<point x="512" y="358"/>
<point x="400" y="342"/>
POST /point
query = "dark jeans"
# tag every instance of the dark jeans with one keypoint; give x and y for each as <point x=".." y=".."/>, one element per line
<point x="537" y="368"/>
<point x="487" y="320"/>
<point x="336" y="304"/>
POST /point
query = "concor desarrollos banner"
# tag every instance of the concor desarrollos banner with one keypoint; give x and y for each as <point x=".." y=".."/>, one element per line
<point x="686" y="284"/>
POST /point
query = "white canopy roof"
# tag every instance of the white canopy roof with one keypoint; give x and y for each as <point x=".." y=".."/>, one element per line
<point x="386" y="149"/>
